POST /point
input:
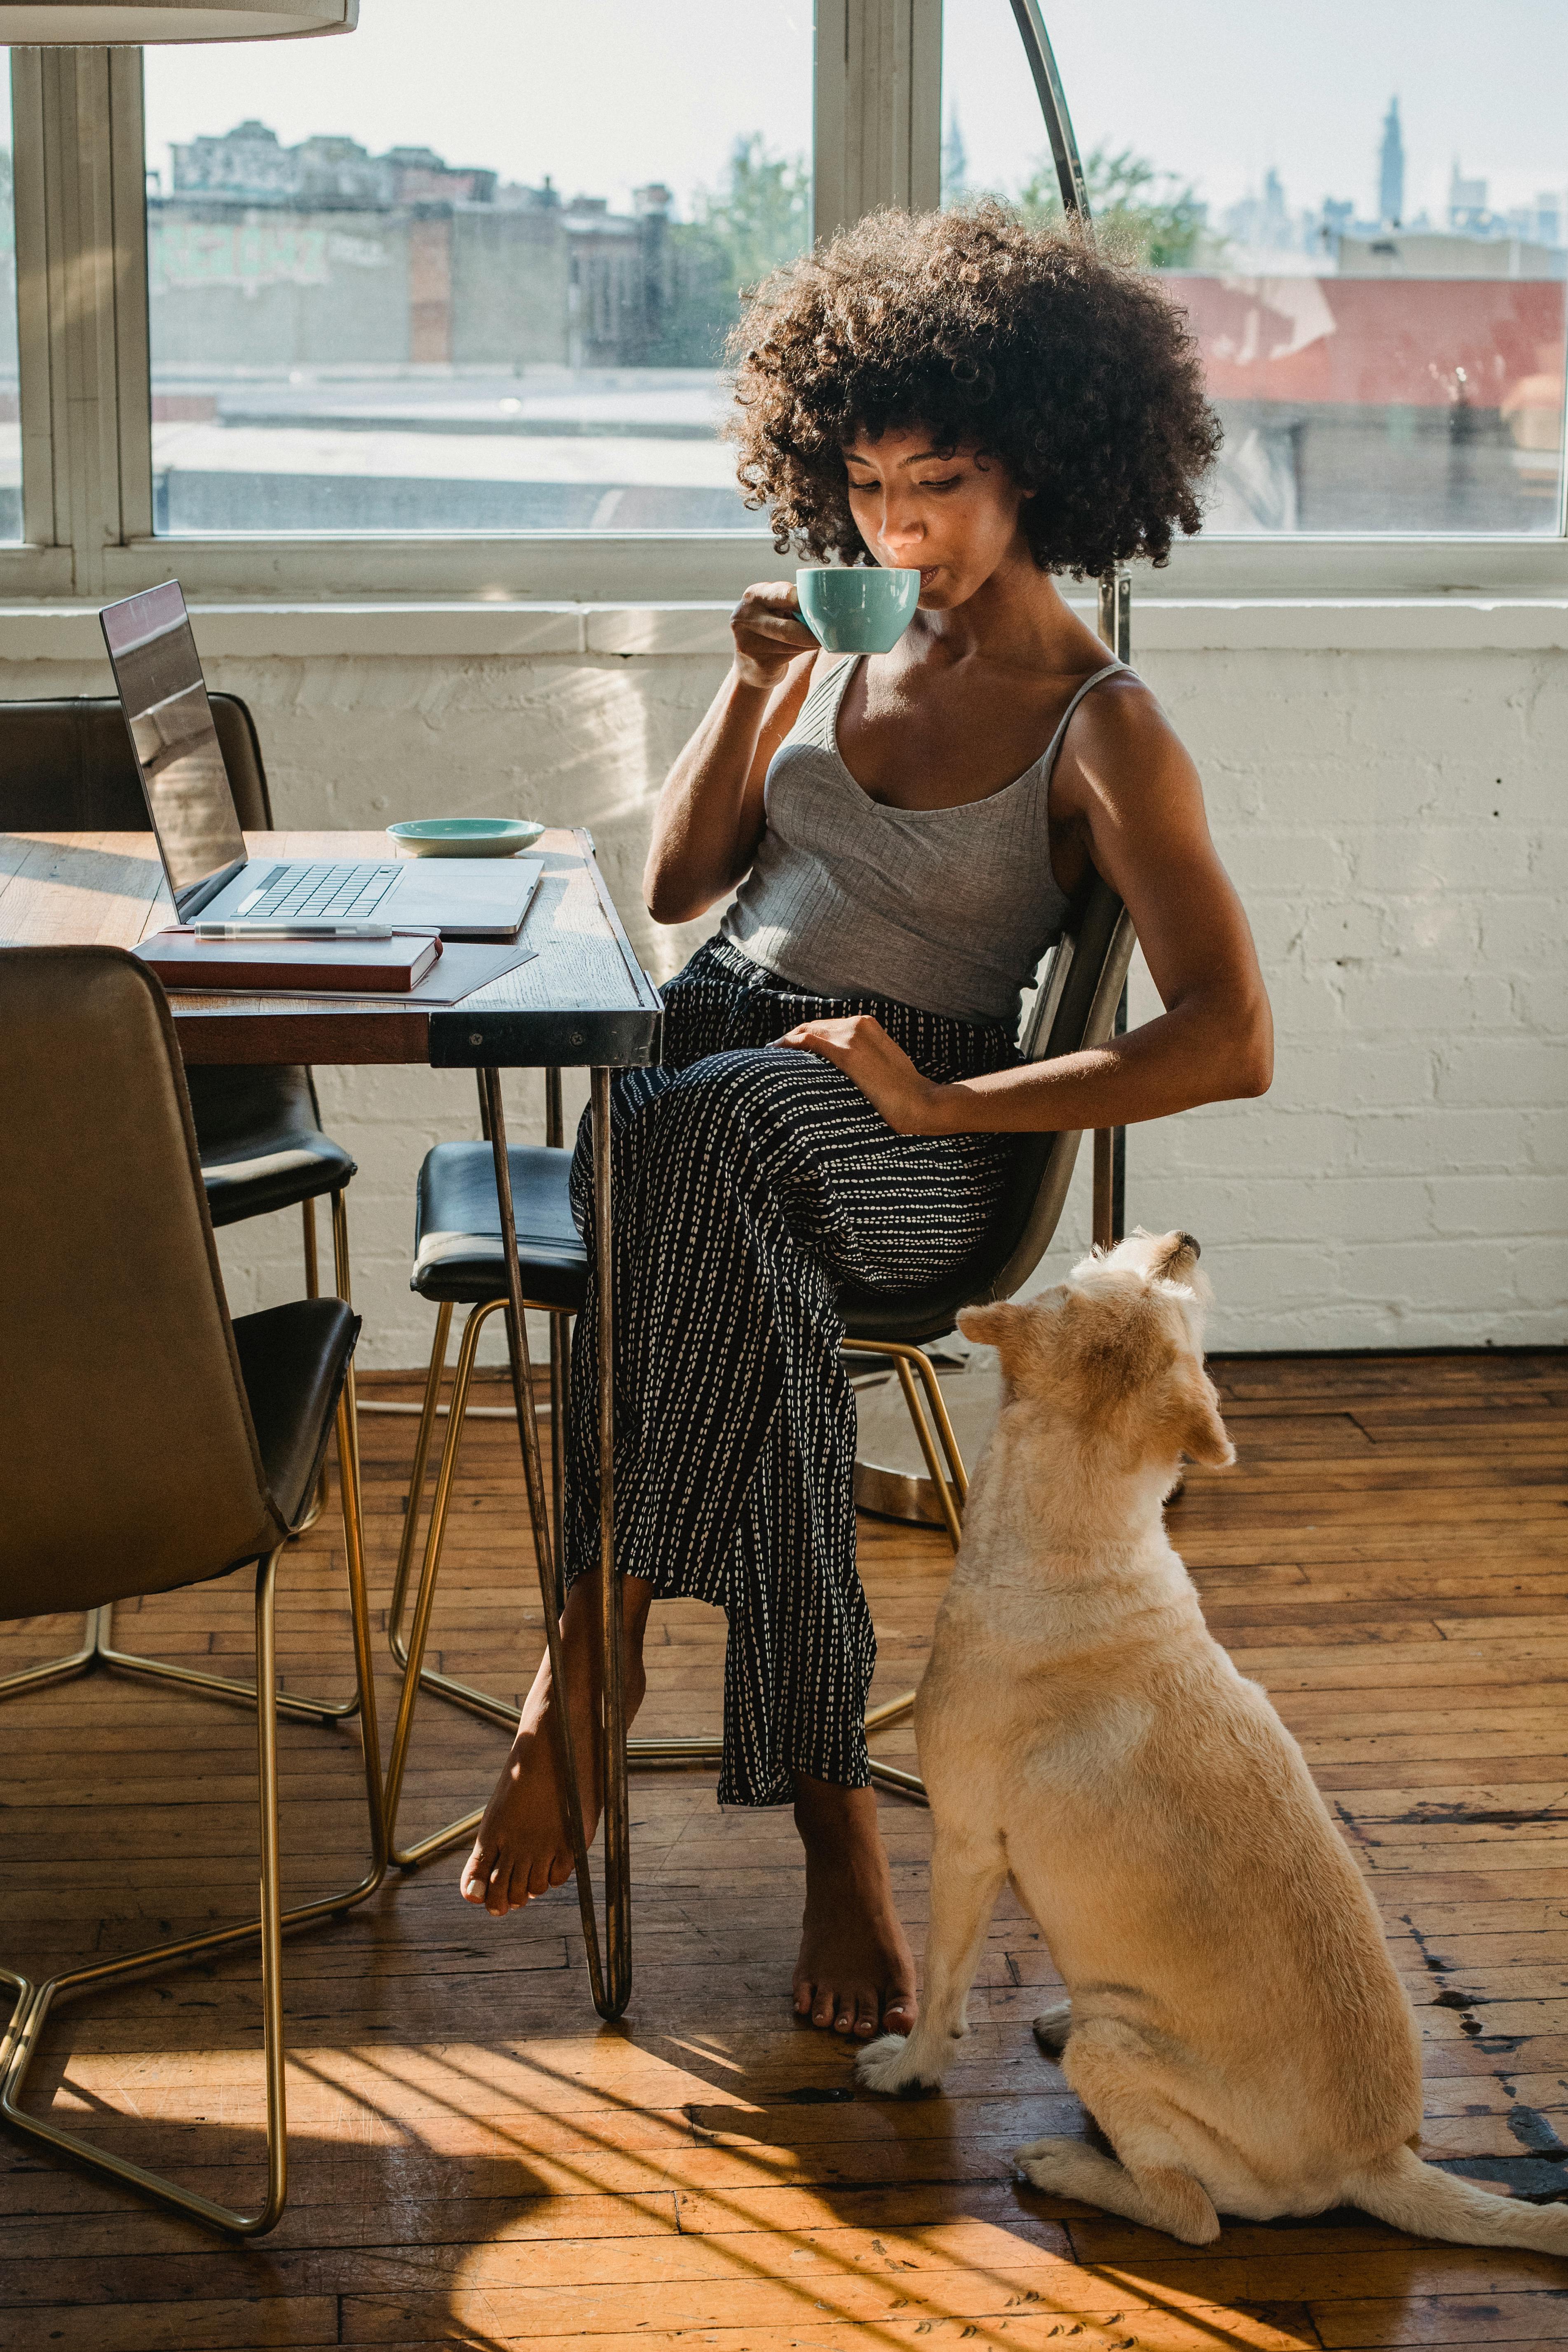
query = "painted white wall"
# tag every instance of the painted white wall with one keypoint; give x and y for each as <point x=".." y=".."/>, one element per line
<point x="1394" y="818"/>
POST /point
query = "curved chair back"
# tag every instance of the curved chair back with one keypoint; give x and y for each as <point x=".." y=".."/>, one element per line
<point x="129" y="1461"/>
<point x="1074" y="1006"/>
<point x="69" y="763"/>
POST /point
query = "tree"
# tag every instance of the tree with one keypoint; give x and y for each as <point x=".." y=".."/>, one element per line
<point x="757" y="218"/>
<point x="761" y="214"/>
<point x="1140" y="212"/>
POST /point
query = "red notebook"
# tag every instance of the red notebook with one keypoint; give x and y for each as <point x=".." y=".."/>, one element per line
<point x="303" y="967"/>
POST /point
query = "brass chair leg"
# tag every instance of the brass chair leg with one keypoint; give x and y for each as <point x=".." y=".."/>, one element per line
<point x="422" y="1438"/>
<point x="312" y="1290"/>
<point x="19" y="2045"/>
<point x="912" y="1363"/>
<point x="56" y="1670"/>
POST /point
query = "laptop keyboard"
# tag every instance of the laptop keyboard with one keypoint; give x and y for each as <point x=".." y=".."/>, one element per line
<point x="316" y="892"/>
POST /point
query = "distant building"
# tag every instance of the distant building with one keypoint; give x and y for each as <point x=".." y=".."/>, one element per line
<point x="250" y="165"/>
<point x="1468" y="211"/>
<point x="325" y="252"/>
<point x="1390" y="169"/>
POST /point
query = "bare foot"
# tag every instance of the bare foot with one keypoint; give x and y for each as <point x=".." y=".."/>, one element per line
<point x="524" y="1846"/>
<point x="855" y="1974"/>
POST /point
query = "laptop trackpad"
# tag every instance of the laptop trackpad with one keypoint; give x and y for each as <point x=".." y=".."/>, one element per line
<point x="461" y="897"/>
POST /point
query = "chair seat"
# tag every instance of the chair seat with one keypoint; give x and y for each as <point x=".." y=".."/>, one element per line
<point x="261" y="1142"/>
<point x="293" y="1360"/>
<point x="457" y="1233"/>
<point x="457" y="1246"/>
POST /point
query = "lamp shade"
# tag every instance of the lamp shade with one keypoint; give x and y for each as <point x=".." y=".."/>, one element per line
<point x="130" y="24"/>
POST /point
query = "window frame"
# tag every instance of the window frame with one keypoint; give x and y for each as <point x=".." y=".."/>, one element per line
<point x="86" y="400"/>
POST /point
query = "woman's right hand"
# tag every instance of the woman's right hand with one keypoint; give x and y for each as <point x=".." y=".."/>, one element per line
<point x="769" y="633"/>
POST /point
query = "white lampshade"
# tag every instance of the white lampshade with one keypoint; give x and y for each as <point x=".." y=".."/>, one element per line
<point x="70" y="24"/>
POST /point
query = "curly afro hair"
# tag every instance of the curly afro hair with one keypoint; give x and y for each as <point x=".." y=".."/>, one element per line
<point x="1068" y="366"/>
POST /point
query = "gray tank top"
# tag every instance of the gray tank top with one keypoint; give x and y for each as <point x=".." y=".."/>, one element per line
<point x="949" y="908"/>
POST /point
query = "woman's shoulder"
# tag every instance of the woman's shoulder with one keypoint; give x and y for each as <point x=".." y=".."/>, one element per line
<point x="1119" y="712"/>
<point x="1119" y="743"/>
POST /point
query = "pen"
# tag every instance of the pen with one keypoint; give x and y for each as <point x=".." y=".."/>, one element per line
<point x="288" y="931"/>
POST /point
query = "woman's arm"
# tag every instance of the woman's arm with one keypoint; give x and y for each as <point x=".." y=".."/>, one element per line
<point x="708" y="819"/>
<point x="1130" y="794"/>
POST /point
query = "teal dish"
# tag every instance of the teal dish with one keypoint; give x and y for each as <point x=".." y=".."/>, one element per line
<point x="856" y="609"/>
<point x="464" y="836"/>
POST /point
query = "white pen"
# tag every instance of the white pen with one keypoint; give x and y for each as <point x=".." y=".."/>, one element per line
<point x="291" y="930"/>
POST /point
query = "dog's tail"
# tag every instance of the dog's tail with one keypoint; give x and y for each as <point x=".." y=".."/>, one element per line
<point x="1413" y="2196"/>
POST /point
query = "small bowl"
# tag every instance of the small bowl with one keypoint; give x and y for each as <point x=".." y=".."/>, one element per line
<point x="464" y="836"/>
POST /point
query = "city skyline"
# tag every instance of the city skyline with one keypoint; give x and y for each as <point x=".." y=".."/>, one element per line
<point x="1219" y="96"/>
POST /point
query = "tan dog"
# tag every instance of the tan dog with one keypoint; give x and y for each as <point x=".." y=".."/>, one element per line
<point x="1234" y="2023"/>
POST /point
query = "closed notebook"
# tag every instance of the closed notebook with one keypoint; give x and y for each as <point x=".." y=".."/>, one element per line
<point x="303" y="967"/>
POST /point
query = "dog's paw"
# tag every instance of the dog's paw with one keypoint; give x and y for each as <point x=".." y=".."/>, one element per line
<point x="1052" y="2027"/>
<point x="1049" y="2164"/>
<point x="888" y="2064"/>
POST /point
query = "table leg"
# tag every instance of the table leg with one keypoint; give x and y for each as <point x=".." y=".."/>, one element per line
<point x="618" y="1836"/>
<point x="560" y="1344"/>
<point x="609" y="1998"/>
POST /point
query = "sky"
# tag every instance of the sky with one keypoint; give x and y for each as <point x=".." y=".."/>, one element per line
<point x="601" y="94"/>
<point x="1221" y="90"/>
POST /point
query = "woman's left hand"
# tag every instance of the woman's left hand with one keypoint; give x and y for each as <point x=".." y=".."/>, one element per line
<point x="862" y="1049"/>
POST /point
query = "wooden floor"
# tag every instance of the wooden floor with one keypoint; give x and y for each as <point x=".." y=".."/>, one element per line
<point x="475" y="2161"/>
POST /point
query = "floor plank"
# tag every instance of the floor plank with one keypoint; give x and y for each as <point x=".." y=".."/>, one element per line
<point x="476" y="2160"/>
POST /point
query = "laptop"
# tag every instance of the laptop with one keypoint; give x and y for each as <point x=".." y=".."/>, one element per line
<point x="164" y="697"/>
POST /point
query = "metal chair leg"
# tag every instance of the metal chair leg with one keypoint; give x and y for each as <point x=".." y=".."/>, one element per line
<point x="56" y="1670"/>
<point x="416" y="1674"/>
<point x="19" y="2045"/>
<point x="414" y="1509"/>
<point x="312" y="1290"/>
<point x="912" y="1363"/>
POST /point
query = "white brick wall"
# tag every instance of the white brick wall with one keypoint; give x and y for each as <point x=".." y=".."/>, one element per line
<point x="1397" y="826"/>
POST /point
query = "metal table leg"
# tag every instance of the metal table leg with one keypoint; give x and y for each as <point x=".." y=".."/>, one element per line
<point x="612" y="1987"/>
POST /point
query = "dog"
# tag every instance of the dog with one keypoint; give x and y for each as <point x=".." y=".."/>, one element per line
<point x="1234" y="2025"/>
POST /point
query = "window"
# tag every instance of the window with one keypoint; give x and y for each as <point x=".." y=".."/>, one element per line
<point x="10" y="385"/>
<point x="468" y="270"/>
<point x="1363" y="207"/>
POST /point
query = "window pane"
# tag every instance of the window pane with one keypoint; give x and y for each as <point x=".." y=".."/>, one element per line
<point x="10" y="406"/>
<point x="467" y="268"/>
<point x="1363" y="207"/>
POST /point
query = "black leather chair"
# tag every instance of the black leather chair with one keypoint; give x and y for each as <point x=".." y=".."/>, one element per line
<point x="457" y="1262"/>
<point x="68" y="764"/>
<point x="146" y="1443"/>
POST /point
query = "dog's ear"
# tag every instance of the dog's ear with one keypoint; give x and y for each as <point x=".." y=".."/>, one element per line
<point x="1196" y="1423"/>
<point x="1016" y="1333"/>
<point x="991" y="1326"/>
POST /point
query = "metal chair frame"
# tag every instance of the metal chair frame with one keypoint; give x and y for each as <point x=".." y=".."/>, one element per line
<point x="98" y="1651"/>
<point x="33" y="2003"/>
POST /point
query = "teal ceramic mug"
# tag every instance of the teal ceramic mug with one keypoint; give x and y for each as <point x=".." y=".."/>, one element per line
<point x="856" y="609"/>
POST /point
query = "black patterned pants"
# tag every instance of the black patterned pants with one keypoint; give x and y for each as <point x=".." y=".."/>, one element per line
<point x="748" y="1185"/>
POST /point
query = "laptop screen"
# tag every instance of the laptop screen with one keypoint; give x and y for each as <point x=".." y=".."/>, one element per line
<point x="164" y="699"/>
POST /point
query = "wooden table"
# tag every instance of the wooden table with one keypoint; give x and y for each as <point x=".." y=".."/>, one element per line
<point x="583" y="1001"/>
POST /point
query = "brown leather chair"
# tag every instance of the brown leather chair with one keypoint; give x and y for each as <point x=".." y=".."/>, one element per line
<point x="147" y="1441"/>
<point x="67" y="763"/>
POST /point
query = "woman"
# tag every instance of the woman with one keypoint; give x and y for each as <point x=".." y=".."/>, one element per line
<point x="898" y="839"/>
